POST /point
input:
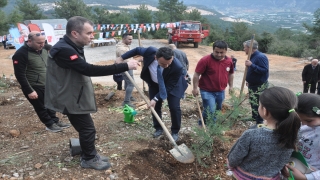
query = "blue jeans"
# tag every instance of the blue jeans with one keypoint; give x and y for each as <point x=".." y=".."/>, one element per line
<point x="212" y="101"/>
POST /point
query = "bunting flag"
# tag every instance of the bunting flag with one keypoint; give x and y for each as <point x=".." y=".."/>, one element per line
<point x="107" y="34"/>
<point x="98" y="27"/>
<point x="112" y="33"/>
<point x="100" y="36"/>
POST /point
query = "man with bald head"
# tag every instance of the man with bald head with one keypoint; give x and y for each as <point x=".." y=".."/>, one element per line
<point x="30" y="65"/>
<point x="310" y="76"/>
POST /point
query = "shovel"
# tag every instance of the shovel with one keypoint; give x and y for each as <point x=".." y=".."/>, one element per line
<point x="181" y="153"/>
<point x="203" y="125"/>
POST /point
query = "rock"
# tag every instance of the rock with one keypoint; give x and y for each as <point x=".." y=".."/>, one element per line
<point x="15" y="175"/>
<point x="38" y="166"/>
<point x="32" y="173"/>
<point x="39" y="176"/>
<point x="64" y="169"/>
<point x="24" y="147"/>
<point x="108" y="172"/>
<point x="29" y="169"/>
<point x="14" y="133"/>
<point x="68" y="159"/>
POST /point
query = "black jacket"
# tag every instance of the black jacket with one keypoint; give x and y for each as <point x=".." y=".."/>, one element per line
<point x="311" y="75"/>
<point x="69" y="88"/>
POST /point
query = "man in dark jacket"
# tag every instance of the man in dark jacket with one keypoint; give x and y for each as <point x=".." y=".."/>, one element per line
<point x="69" y="88"/>
<point x="174" y="82"/>
<point x="257" y="77"/>
<point x="29" y="64"/>
<point x="310" y="76"/>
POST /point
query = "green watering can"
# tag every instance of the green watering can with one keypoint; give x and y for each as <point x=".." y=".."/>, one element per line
<point x="129" y="114"/>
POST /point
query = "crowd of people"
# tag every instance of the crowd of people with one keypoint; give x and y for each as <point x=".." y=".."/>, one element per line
<point x="57" y="79"/>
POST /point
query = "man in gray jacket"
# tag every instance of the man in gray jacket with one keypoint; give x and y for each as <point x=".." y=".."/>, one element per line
<point x="69" y="88"/>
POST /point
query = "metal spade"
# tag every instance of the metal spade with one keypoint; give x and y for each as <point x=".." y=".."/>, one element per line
<point x="181" y="153"/>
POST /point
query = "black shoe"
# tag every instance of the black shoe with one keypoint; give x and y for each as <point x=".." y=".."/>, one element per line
<point x="175" y="137"/>
<point x="95" y="163"/>
<point x="54" y="128"/>
<point x="158" y="133"/>
<point x="63" y="125"/>
<point x="103" y="158"/>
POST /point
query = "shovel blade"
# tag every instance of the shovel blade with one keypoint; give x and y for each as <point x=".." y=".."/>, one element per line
<point x="182" y="154"/>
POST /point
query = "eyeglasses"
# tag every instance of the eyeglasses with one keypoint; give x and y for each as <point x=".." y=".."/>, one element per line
<point x="36" y="34"/>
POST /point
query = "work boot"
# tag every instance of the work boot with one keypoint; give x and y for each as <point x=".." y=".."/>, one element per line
<point x="132" y="99"/>
<point x="63" y="125"/>
<point x="54" y="128"/>
<point x="128" y="103"/>
<point x="103" y="158"/>
<point x="95" y="163"/>
<point x="175" y="137"/>
<point x="158" y="133"/>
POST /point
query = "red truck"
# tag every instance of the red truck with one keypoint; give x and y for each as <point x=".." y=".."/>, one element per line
<point x="188" y="32"/>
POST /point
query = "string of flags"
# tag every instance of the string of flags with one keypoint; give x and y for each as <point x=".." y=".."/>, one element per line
<point x="119" y="29"/>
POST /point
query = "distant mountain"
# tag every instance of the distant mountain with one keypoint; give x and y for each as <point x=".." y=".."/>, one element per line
<point x="261" y="5"/>
<point x="264" y="6"/>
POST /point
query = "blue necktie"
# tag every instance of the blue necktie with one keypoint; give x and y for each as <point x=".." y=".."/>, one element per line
<point x="162" y="87"/>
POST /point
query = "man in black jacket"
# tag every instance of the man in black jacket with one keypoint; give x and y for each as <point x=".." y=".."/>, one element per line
<point x="69" y="88"/>
<point x="30" y="64"/>
<point x="310" y="76"/>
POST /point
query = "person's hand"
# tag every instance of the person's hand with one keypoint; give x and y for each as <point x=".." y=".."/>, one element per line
<point x="248" y="63"/>
<point x="133" y="64"/>
<point x="285" y="172"/>
<point x="195" y="92"/>
<point x="296" y="173"/>
<point x="231" y="90"/>
<point x="188" y="79"/>
<point x="33" y="95"/>
<point x="152" y="103"/>
<point x="119" y="60"/>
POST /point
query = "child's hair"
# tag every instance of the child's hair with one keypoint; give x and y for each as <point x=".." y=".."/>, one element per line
<point x="280" y="102"/>
<point x="308" y="104"/>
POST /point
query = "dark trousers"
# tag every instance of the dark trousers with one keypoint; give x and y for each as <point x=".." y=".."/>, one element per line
<point x="254" y="94"/>
<point x="4" y="44"/>
<point x="312" y="87"/>
<point x="174" y="106"/>
<point x="119" y="85"/>
<point x="85" y="127"/>
<point x="46" y="116"/>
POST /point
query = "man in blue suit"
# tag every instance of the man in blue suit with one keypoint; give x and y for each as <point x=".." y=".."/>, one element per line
<point x="173" y="77"/>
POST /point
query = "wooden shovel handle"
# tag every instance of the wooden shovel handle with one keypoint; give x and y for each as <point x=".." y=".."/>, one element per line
<point x="203" y="125"/>
<point x="246" y="68"/>
<point x="152" y="109"/>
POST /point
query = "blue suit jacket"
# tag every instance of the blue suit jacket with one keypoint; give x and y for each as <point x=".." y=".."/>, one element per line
<point x="173" y="76"/>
